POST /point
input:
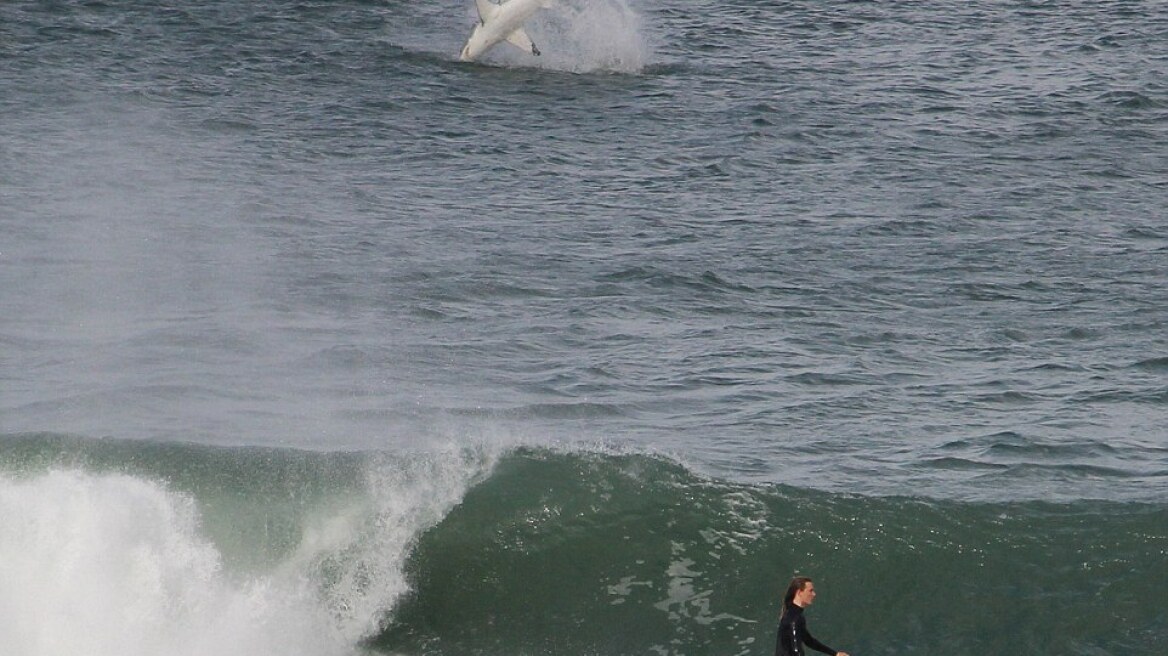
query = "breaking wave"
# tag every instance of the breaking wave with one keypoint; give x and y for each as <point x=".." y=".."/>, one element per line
<point x="135" y="548"/>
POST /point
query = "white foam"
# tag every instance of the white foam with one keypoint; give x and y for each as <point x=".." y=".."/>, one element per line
<point x="114" y="565"/>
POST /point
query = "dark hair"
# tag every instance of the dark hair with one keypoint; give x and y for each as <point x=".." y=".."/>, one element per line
<point x="796" y="585"/>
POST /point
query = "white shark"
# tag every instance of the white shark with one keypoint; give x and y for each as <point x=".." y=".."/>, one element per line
<point x="501" y="22"/>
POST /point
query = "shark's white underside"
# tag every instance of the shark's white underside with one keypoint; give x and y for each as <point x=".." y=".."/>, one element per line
<point x="502" y="22"/>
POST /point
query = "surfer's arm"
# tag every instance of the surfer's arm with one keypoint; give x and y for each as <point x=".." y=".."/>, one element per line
<point x="811" y="642"/>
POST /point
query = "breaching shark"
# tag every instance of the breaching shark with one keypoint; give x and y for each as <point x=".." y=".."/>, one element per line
<point x="501" y="22"/>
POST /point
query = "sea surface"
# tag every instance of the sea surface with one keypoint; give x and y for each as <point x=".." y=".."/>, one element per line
<point x="315" y="341"/>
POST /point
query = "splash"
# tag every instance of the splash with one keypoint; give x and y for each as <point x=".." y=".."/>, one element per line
<point x="585" y="36"/>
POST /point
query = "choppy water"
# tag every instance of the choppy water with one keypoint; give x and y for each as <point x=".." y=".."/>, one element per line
<point x="855" y="265"/>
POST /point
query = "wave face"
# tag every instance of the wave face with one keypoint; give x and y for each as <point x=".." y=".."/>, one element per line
<point x="603" y="554"/>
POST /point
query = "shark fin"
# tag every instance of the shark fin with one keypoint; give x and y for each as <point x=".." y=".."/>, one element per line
<point x="520" y="40"/>
<point x="486" y="10"/>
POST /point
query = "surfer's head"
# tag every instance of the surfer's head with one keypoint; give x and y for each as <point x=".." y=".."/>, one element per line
<point x="800" y="592"/>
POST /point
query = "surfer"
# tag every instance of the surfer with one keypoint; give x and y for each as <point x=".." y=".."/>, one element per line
<point x="793" y="633"/>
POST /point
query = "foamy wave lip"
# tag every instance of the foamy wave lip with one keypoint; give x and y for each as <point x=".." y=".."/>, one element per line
<point x="358" y="561"/>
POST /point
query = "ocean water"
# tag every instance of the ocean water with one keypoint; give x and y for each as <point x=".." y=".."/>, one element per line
<point x="316" y="341"/>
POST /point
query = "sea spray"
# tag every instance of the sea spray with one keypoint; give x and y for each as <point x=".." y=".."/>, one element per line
<point x="584" y="36"/>
<point x="597" y="35"/>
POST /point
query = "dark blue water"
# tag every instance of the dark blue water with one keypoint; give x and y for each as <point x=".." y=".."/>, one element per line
<point x="899" y="250"/>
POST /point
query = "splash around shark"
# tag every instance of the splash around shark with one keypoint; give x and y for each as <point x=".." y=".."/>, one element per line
<point x="502" y="22"/>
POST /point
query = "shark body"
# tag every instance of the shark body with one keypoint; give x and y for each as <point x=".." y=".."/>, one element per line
<point x="501" y="22"/>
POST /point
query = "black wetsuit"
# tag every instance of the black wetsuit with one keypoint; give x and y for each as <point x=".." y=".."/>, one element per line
<point x="793" y="634"/>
